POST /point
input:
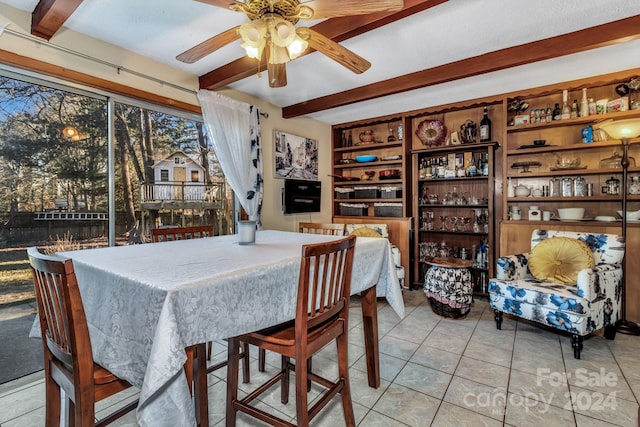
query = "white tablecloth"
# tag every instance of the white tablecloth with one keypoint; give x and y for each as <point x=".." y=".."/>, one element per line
<point x="146" y="303"/>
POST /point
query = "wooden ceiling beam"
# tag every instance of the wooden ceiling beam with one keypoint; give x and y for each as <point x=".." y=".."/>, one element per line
<point x="337" y="29"/>
<point x="579" y="41"/>
<point x="50" y="15"/>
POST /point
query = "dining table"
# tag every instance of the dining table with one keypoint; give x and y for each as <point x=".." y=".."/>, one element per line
<point x="147" y="304"/>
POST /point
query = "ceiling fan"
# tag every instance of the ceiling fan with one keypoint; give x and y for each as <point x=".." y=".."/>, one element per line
<point x="271" y="36"/>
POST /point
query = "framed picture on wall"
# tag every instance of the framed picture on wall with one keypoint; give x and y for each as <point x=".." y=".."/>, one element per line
<point x="296" y="157"/>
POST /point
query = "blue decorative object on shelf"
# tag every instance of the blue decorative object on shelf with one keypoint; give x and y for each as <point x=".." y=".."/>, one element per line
<point x="366" y="159"/>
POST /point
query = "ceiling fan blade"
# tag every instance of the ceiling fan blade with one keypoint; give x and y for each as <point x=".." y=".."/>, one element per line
<point x="333" y="50"/>
<point x="209" y="46"/>
<point x="334" y="8"/>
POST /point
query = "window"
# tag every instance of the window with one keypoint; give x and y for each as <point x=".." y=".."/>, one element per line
<point x="195" y="176"/>
<point x="176" y="160"/>
<point x="164" y="174"/>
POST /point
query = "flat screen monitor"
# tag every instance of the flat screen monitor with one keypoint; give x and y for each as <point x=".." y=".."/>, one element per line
<point x="301" y="196"/>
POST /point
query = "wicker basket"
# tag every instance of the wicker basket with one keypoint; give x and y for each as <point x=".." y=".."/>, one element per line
<point x="445" y="310"/>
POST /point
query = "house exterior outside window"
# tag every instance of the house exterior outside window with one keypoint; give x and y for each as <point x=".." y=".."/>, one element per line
<point x="195" y="176"/>
<point x="164" y="174"/>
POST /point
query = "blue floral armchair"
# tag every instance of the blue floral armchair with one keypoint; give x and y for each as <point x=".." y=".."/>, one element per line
<point x="591" y="304"/>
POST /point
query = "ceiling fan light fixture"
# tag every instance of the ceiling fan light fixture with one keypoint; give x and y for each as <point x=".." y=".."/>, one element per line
<point x="297" y="46"/>
<point x="282" y="32"/>
<point x="253" y="32"/>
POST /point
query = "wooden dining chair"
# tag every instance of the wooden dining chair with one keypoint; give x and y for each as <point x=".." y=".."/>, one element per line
<point x="195" y="232"/>
<point x="322" y="312"/>
<point x="311" y="228"/>
<point x="319" y="228"/>
<point x="68" y="361"/>
<point x="181" y="233"/>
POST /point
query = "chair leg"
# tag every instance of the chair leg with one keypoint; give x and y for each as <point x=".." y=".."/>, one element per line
<point x="610" y="332"/>
<point x="302" y="412"/>
<point x="261" y="359"/>
<point x="498" y="317"/>
<point x="284" y="383"/>
<point x="232" y="380"/>
<point x="576" y="343"/>
<point x="246" y="374"/>
<point x="52" y="403"/>
<point x="343" y="372"/>
<point x="209" y="350"/>
<point x="309" y="366"/>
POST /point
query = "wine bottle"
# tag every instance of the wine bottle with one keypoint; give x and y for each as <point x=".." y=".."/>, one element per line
<point x="557" y="112"/>
<point x="485" y="127"/>
<point x="549" y="113"/>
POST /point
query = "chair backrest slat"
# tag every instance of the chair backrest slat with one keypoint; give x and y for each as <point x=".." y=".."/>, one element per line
<point x="181" y="233"/>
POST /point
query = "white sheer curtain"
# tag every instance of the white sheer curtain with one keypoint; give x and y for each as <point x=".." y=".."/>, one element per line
<point x="234" y="129"/>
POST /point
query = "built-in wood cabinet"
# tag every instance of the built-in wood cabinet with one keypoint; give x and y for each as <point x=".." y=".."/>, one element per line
<point x="453" y="203"/>
<point x="370" y="178"/>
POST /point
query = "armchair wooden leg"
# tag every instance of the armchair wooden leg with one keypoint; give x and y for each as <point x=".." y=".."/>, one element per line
<point x="261" y="359"/>
<point x="576" y="343"/>
<point x="498" y="317"/>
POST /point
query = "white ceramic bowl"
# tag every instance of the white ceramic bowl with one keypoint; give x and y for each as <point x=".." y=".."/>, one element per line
<point x="571" y="213"/>
<point x="631" y="215"/>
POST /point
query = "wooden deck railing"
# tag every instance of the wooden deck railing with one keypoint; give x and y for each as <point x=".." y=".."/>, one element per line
<point x="182" y="192"/>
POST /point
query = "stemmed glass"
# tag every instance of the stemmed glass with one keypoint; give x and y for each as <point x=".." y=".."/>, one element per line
<point x="465" y="222"/>
<point x="443" y="222"/>
<point x="454" y="223"/>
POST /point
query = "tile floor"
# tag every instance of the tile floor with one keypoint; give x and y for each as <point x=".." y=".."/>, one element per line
<point x="440" y="372"/>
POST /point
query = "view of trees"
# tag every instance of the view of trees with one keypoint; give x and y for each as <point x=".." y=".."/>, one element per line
<point x="54" y="152"/>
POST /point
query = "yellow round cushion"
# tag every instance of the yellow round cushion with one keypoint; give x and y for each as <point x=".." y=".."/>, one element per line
<point x="365" y="232"/>
<point x="559" y="259"/>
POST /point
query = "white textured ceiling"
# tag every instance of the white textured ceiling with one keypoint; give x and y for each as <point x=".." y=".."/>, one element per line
<point x="457" y="29"/>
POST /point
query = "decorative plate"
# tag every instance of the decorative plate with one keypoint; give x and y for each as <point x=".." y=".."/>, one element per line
<point x="431" y="132"/>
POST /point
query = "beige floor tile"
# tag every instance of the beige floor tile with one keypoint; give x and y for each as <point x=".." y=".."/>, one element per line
<point x="523" y="412"/>
<point x="397" y="347"/>
<point x="407" y="406"/>
<point x="376" y="419"/>
<point x="424" y="380"/>
<point x="483" y="372"/>
<point x="476" y="397"/>
<point x="449" y="415"/>
<point x="551" y="388"/>
<point x="435" y="358"/>
<point x="604" y="406"/>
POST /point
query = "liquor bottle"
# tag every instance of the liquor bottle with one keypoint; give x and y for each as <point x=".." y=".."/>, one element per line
<point x="350" y="140"/>
<point x="574" y="109"/>
<point x="471" y="167"/>
<point x="549" y="113"/>
<point x="584" y="105"/>
<point x="485" y="165"/>
<point x="485" y="127"/>
<point x="557" y="112"/>
<point x="566" y="110"/>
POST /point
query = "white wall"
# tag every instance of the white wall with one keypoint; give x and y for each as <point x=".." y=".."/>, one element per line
<point x="272" y="216"/>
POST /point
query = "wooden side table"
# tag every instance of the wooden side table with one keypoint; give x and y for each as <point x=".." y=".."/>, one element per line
<point x="449" y="287"/>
